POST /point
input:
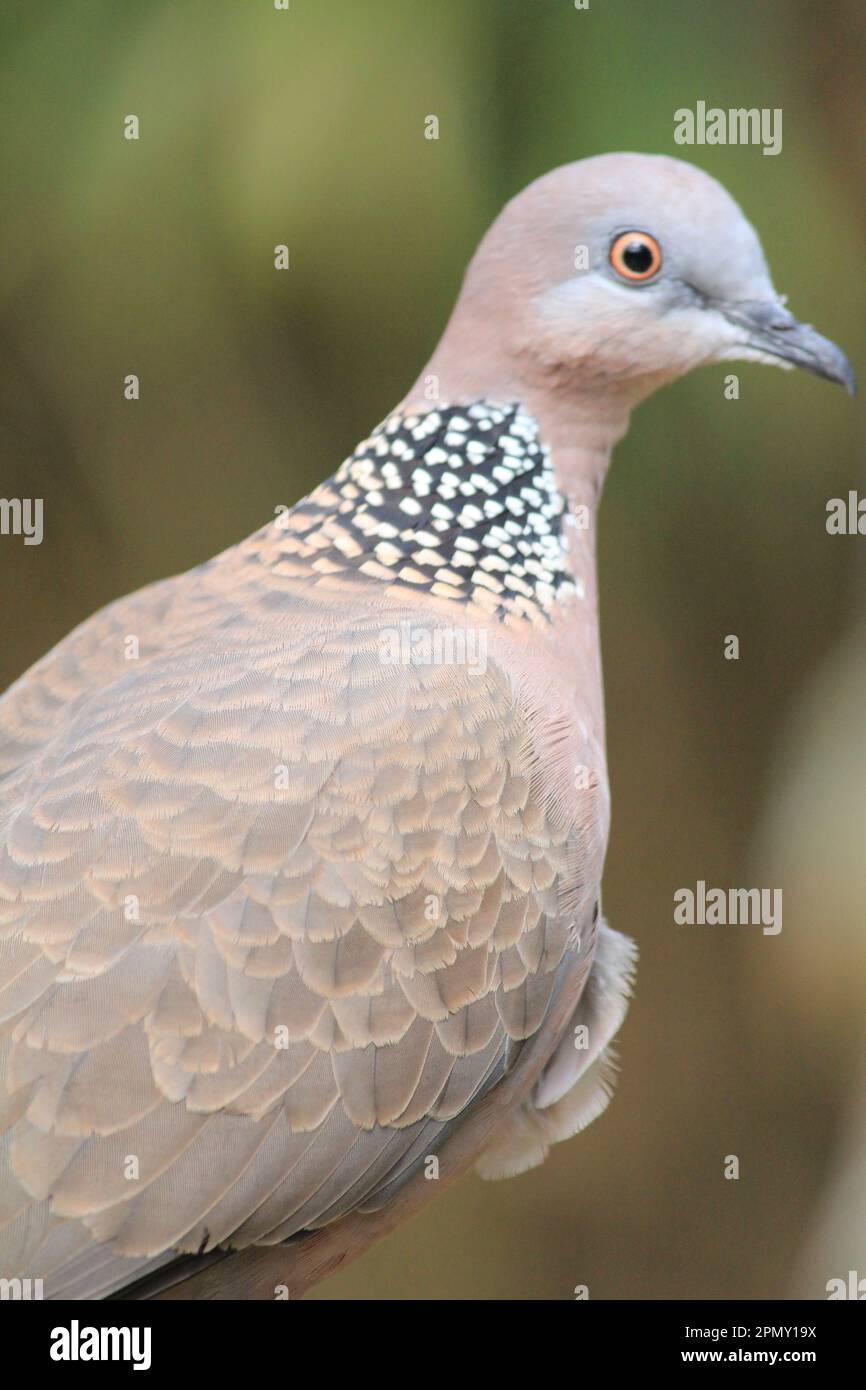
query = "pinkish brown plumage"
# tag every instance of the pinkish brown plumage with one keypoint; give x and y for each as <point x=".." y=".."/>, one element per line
<point x="308" y="891"/>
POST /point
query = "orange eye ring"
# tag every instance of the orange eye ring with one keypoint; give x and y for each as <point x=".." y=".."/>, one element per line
<point x="636" y="256"/>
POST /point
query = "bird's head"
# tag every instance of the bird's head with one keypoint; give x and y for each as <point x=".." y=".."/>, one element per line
<point x="623" y="271"/>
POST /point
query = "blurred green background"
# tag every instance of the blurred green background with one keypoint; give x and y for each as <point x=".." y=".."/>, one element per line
<point x="155" y="257"/>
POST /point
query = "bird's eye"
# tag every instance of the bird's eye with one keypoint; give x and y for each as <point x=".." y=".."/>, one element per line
<point x="636" y="256"/>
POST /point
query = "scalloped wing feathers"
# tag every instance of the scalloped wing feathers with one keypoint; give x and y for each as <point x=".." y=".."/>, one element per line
<point x="273" y="915"/>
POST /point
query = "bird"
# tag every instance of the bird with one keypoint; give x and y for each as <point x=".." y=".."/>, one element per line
<point x="301" y="851"/>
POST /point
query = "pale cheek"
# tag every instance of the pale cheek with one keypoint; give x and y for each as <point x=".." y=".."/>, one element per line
<point x="684" y="340"/>
<point x="654" y="344"/>
<point x="603" y="330"/>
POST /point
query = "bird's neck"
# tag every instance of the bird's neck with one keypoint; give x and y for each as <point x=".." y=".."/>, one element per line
<point x="466" y="502"/>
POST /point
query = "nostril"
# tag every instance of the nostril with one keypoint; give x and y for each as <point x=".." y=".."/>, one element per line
<point x="781" y="321"/>
<point x="773" y="316"/>
<point x="767" y="316"/>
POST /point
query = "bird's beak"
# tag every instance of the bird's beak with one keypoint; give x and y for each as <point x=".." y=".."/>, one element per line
<point x="772" y="330"/>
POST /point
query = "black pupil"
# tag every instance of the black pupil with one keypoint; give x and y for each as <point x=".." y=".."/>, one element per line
<point x="638" y="257"/>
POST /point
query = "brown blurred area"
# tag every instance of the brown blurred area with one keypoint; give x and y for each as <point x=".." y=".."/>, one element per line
<point x="155" y="257"/>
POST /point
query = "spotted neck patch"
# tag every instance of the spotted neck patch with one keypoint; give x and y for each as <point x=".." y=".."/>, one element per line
<point x="460" y="501"/>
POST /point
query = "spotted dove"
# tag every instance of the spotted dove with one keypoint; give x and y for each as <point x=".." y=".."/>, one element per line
<point x="301" y="851"/>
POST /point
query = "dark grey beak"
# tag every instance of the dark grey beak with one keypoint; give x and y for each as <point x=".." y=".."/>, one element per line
<point x="771" y="329"/>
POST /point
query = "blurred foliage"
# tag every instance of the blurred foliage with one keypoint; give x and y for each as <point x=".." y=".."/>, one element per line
<point x="156" y="257"/>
